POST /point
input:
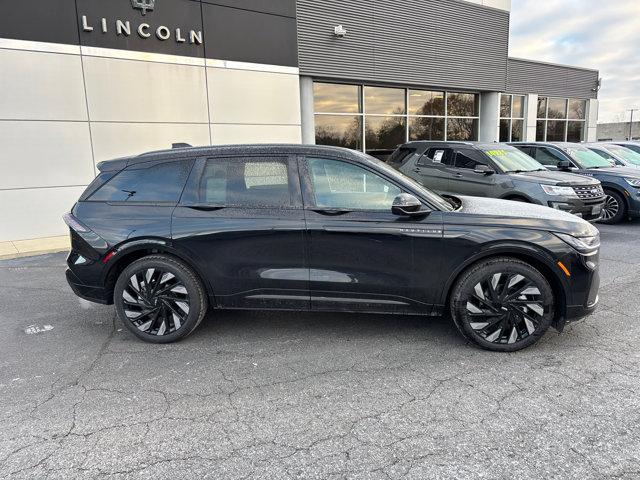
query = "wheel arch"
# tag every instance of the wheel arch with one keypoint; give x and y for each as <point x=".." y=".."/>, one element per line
<point x="534" y="257"/>
<point x="619" y="190"/>
<point x="129" y="252"/>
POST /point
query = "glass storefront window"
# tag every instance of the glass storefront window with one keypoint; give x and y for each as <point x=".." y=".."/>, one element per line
<point x="517" y="127"/>
<point x="463" y="129"/>
<point x="557" y="108"/>
<point x="339" y="131"/>
<point x="541" y="128"/>
<point x="368" y="118"/>
<point x="505" y="106"/>
<point x="384" y="132"/>
<point x="462" y="105"/>
<point x="422" y="102"/>
<point x="564" y="121"/>
<point x="336" y="98"/>
<point x="542" y="107"/>
<point x="384" y="101"/>
<point x="517" y="111"/>
<point x="577" y="109"/>
<point x="575" y="131"/>
<point x="556" y="131"/>
<point x="505" y="125"/>
<point x="426" y="128"/>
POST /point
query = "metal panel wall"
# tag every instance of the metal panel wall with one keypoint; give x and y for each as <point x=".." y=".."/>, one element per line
<point x="439" y="43"/>
<point x="526" y="76"/>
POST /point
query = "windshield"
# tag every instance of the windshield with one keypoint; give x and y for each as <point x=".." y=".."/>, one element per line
<point x="586" y="158"/>
<point x="433" y="197"/>
<point x="625" y="154"/>
<point x="510" y="159"/>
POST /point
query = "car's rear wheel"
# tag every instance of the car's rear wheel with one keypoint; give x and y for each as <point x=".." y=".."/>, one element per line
<point x="614" y="209"/>
<point x="502" y="304"/>
<point x="159" y="299"/>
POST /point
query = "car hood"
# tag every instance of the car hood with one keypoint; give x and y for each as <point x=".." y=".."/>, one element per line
<point x="630" y="172"/>
<point x="548" y="177"/>
<point x="491" y="211"/>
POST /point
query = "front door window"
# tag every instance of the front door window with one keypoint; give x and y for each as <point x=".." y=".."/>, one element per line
<point x="342" y="185"/>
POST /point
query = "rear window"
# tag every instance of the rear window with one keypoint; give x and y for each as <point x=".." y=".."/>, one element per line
<point x="161" y="183"/>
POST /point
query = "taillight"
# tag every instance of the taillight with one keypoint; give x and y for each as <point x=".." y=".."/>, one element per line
<point x="73" y="223"/>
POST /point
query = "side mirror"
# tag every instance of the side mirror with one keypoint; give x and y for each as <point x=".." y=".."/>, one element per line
<point x="564" y="165"/>
<point x="406" y="205"/>
<point x="484" y="170"/>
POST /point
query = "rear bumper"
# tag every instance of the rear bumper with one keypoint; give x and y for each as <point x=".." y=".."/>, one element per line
<point x="88" y="292"/>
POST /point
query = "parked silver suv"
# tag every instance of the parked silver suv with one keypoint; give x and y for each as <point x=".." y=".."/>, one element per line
<point x="497" y="170"/>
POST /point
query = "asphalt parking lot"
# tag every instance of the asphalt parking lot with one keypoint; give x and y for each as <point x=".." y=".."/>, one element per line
<point x="290" y="395"/>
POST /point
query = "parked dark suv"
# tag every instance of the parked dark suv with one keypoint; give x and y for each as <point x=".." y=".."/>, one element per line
<point x="621" y="184"/>
<point x="168" y="235"/>
<point x="497" y="170"/>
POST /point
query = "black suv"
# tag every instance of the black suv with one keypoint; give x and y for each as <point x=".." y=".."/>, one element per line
<point x="168" y="235"/>
<point x="621" y="184"/>
<point x="497" y="170"/>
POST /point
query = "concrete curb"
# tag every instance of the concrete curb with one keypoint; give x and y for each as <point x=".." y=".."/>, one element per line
<point x="38" y="246"/>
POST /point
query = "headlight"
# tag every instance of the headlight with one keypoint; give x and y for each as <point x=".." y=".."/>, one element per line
<point x="584" y="245"/>
<point x="559" y="191"/>
<point x="634" y="182"/>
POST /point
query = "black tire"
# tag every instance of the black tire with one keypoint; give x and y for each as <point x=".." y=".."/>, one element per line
<point x="502" y="304"/>
<point x="614" y="209"/>
<point x="159" y="299"/>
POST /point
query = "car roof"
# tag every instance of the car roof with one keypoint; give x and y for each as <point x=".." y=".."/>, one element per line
<point x="231" y="150"/>
<point x="443" y="143"/>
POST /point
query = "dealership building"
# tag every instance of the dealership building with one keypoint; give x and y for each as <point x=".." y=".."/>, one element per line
<point x="84" y="81"/>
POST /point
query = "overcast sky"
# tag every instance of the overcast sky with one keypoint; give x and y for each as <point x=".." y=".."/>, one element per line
<point x="599" y="34"/>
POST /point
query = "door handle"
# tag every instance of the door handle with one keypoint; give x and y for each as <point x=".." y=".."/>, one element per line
<point x="203" y="207"/>
<point x="457" y="175"/>
<point x="417" y="170"/>
<point x="331" y="211"/>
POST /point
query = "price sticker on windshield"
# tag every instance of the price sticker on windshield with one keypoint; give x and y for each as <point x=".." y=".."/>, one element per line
<point x="496" y="153"/>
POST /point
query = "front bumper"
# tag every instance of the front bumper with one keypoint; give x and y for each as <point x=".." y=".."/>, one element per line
<point x="590" y="211"/>
<point x="582" y="289"/>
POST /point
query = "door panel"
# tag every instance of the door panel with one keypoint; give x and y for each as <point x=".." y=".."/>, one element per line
<point x="361" y="256"/>
<point x="246" y="231"/>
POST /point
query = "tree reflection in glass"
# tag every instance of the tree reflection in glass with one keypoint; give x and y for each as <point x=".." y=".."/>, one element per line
<point x="339" y="131"/>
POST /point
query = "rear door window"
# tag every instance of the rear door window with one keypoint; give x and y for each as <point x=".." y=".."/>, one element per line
<point x="157" y="183"/>
<point x="440" y="155"/>
<point x="246" y="182"/>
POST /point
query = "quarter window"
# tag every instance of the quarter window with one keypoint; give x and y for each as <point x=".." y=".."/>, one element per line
<point x="161" y="183"/>
<point x="338" y="184"/>
<point x="254" y="183"/>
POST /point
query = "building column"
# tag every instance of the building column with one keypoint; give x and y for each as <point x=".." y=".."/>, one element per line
<point x="530" y="117"/>
<point x="489" y="116"/>
<point x="592" y="121"/>
<point x="306" y="111"/>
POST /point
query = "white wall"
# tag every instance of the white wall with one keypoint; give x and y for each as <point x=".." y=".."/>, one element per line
<point x="65" y="108"/>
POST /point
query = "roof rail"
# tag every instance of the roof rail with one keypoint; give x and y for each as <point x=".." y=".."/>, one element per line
<point x="180" y="145"/>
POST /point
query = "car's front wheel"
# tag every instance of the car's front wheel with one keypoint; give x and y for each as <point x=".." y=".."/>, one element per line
<point x="614" y="209"/>
<point x="502" y="304"/>
<point x="159" y="299"/>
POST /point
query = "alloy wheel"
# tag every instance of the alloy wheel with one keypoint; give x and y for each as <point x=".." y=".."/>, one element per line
<point x="611" y="208"/>
<point x="505" y="308"/>
<point x="156" y="301"/>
